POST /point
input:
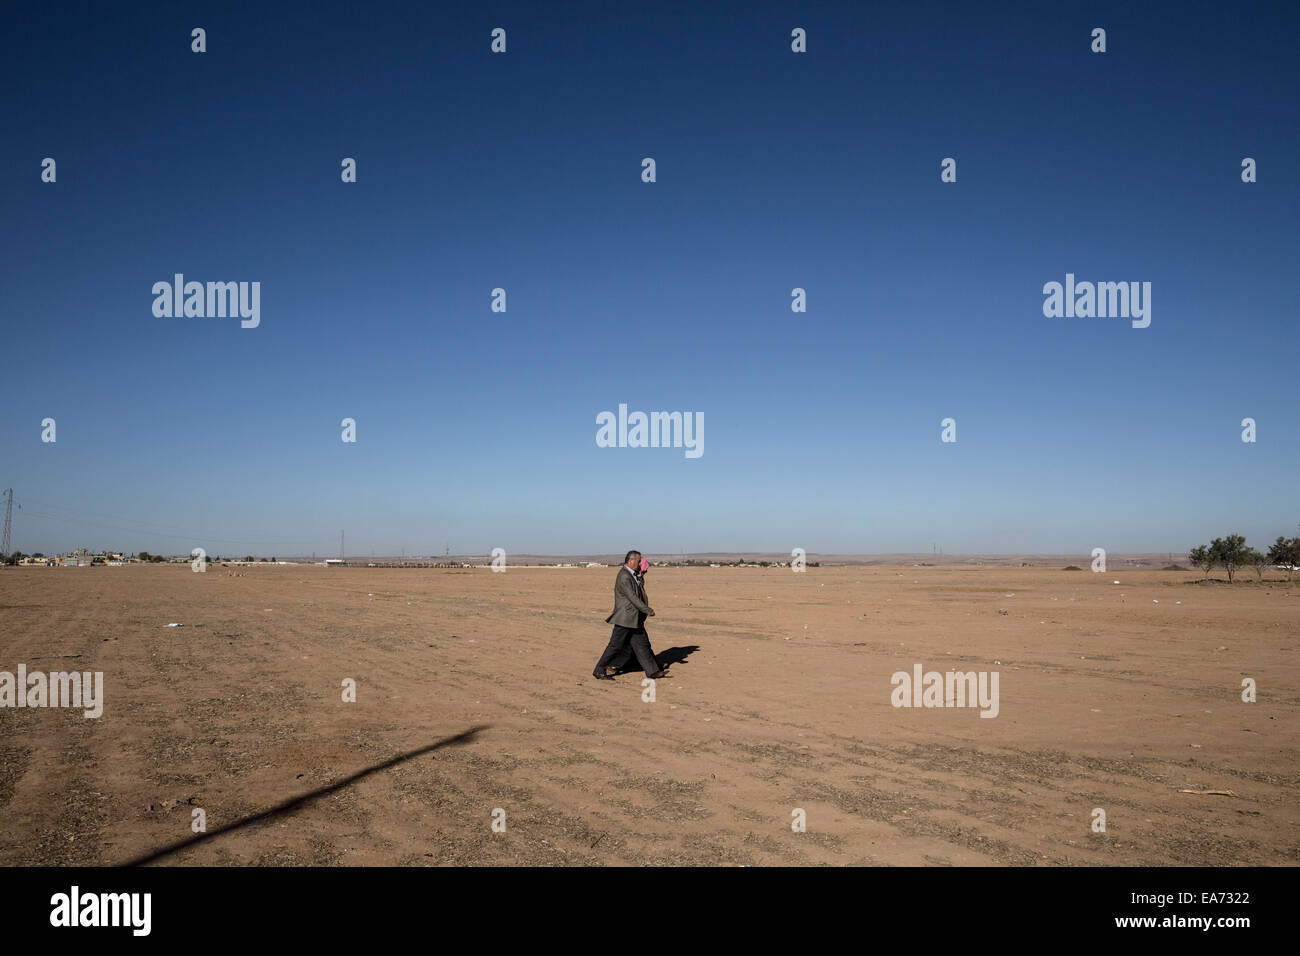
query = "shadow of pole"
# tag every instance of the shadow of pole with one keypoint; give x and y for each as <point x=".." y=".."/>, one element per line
<point x="289" y="806"/>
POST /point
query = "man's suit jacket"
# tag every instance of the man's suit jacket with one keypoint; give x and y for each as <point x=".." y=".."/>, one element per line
<point x="630" y="607"/>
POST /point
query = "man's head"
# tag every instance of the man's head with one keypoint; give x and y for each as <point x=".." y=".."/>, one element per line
<point x="632" y="560"/>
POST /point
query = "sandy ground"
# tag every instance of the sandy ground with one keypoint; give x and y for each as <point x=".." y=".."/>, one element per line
<point x="779" y="699"/>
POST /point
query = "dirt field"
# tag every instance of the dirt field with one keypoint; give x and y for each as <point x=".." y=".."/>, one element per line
<point x="779" y="699"/>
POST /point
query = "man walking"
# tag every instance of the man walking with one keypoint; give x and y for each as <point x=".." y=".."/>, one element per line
<point x="628" y="618"/>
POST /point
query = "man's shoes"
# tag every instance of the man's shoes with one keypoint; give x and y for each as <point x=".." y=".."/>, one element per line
<point x="657" y="674"/>
<point x="601" y="675"/>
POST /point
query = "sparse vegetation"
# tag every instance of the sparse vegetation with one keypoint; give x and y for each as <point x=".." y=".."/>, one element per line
<point x="1200" y="557"/>
<point x="1285" y="552"/>
<point x="1229" y="552"/>
<point x="1232" y="554"/>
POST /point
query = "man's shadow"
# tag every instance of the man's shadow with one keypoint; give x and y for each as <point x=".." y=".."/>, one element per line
<point x="673" y="655"/>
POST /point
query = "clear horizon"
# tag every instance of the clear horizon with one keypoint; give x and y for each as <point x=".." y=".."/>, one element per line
<point x="487" y="556"/>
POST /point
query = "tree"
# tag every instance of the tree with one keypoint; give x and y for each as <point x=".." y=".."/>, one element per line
<point x="1203" y="558"/>
<point x="1229" y="551"/>
<point x="1258" y="561"/>
<point x="1286" y="553"/>
<point x="249" y="558"/>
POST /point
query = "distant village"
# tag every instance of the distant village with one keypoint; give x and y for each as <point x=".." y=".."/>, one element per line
<point x="78" y="558"/>
<point x="81" y="558"/>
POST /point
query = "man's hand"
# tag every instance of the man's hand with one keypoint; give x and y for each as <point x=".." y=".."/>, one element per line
<point x="650" y="613"/>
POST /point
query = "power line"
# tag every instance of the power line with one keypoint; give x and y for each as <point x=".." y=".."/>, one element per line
<point x="9" y="514"/>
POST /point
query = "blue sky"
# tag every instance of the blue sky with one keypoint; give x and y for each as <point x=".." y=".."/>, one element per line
<point x="774" y="171"/>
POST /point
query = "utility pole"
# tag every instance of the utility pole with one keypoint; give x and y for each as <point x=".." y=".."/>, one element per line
<point x="9" y="516"/>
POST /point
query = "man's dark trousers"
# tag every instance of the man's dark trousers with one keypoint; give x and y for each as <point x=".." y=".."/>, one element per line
<point x="618" y="642"/>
